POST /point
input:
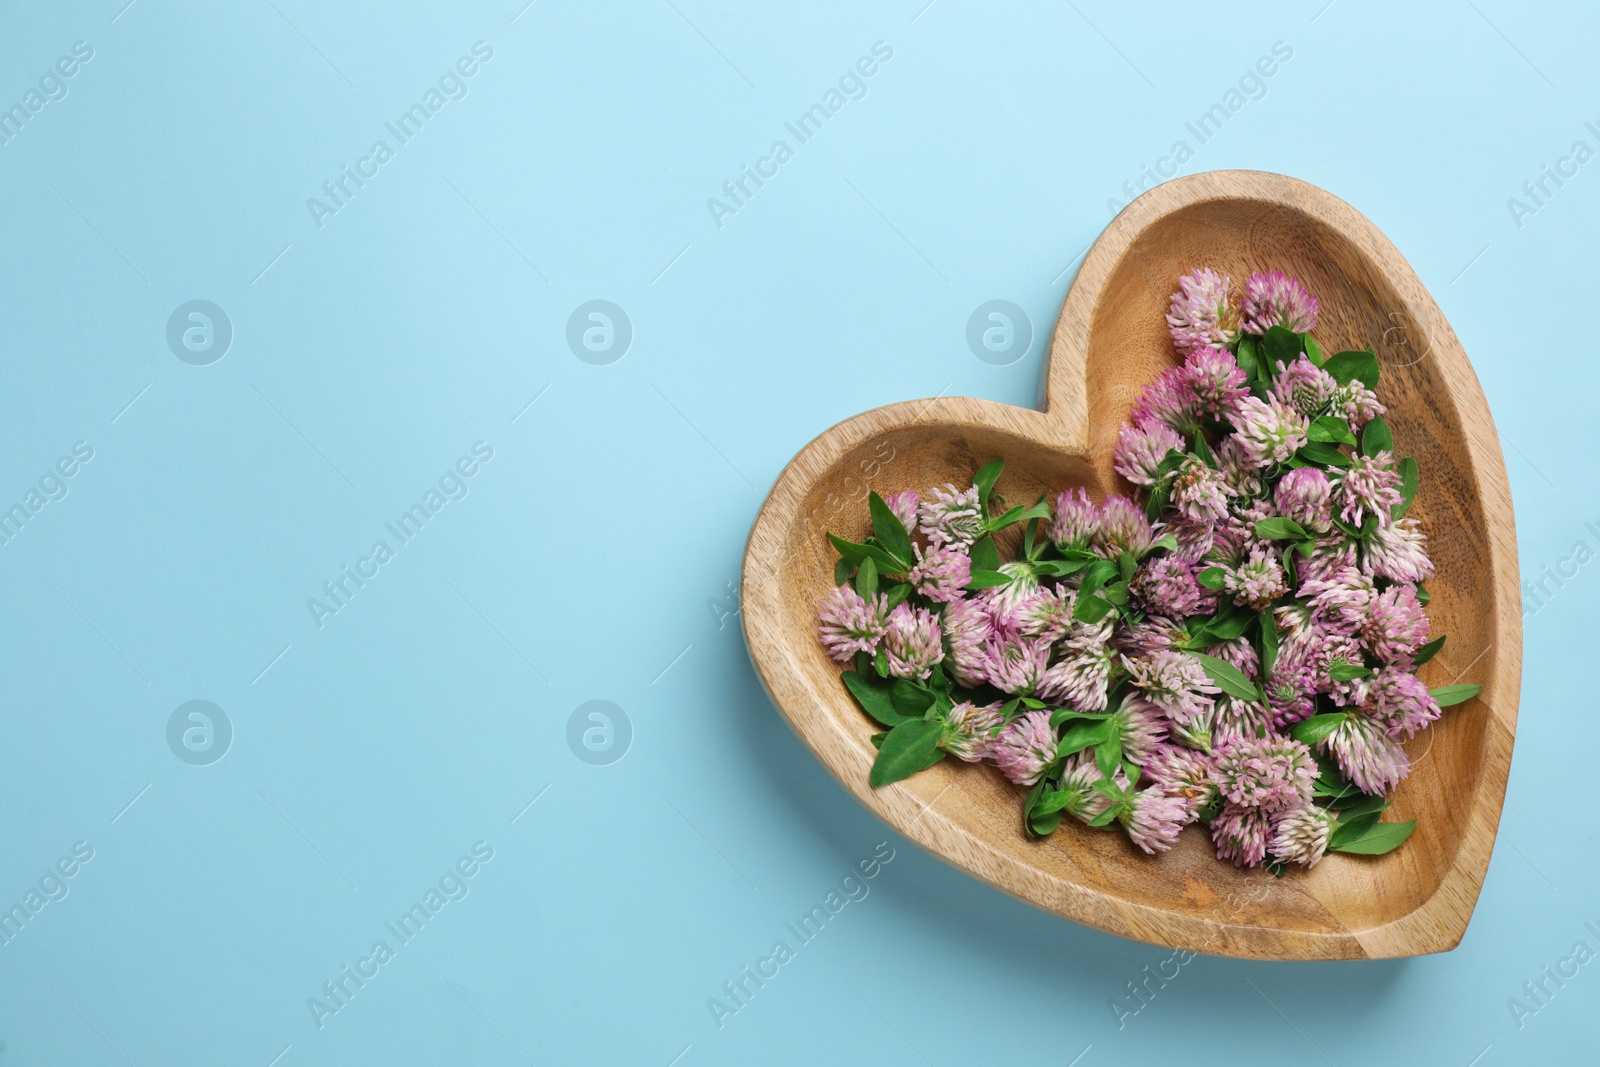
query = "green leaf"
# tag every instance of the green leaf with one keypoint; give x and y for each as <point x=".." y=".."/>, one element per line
<point x="1019" y="514"/>
<point x="842" y="569"/>
<point x="1280" y="530"/>
<point x="1248" y="356"/>
<point x="987" y="579"/>
<point x="987" y="475"/>
<point x="1323" y="455"/>
<point x="1384" y="837"/>
<point x="1225" y="625"/>
<point x="1105" y="817"/>
<point x="898" y="594"/>
<point x="911" y="746"/>
<point x="1156" y="503"/>
<point x="1229" y="679"/>
<point x="1331" y="783"/>
<point x="1099" y="573"/>
<point x="1083" y="735"/>
<point x="1364" y="806"/>
<point x="1010" y="518"/>
<point x="1038" y="791"/>
<point x="1059" y="568"/>
<point x="1166" y="541"/>
<point x="855" y="553"/>
<point x="867" y="578"/>
<point x="1348" y="672"/>
<point x="1108" y="753"/>
<point x="1213" y="578"/>
<point x="890" y="531"/>
<point x="1427" y="651"/>
<point x="1338" y="797"/>
<point x="1449" y="695"/>
<point x="1092" y="608"/>
<point x="1063" y="715"/>
<point x="1053" y="801"/>
<point x="1408" y="488"/>
<point x="1039" y="819"/>
<point x="1045" y="825"/>
<point x="1345" y="528"/>
<point x="1040" y="510"/>
<point x="874" y="697"/>
<point x="1360" y="366"/>
<point x="1351" y="827"/>
<point x="1280" y="344"/>
<point x="1309" y="731"/>
<point x="1313" y="350"/>
<point x="1232" y="624"/>
<point x="1268" y="628"/>
<point x="1170" y="462"/>
<point x="1331" y="429"/>
<point x="985" y="556"/>
<point x="848" y="550"/>
<point x="1126" y="565"/>
<point x="910" y="699"/>
<point x="1377" y="437"/>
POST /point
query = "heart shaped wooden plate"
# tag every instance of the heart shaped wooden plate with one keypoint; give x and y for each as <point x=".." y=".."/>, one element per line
<point x="1110" y="341"/>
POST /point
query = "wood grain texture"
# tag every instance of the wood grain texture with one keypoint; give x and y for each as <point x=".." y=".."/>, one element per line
<point x="1110" y="340"/>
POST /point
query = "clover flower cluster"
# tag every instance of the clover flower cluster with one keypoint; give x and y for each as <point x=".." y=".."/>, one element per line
<point x="1233" y="644"/>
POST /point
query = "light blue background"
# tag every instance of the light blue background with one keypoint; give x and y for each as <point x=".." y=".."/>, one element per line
<point x="594" y="554"/>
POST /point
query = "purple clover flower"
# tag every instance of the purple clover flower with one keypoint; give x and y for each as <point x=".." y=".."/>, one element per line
<point x="911" y="642"/>
<point x="1025" y="747"/>
<point x="1275" y="299"/>
<point x="1140" y="449"/>
<point x="941" y="574"/>
<point x="1203" y="312"/>
<point x="1268" y="431"/>
<point x="1076" y="521"/>
<point x="849" y="624"/>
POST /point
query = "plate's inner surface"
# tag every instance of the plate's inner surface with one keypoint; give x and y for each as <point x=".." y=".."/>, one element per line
<point x="1128" y="346"/>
